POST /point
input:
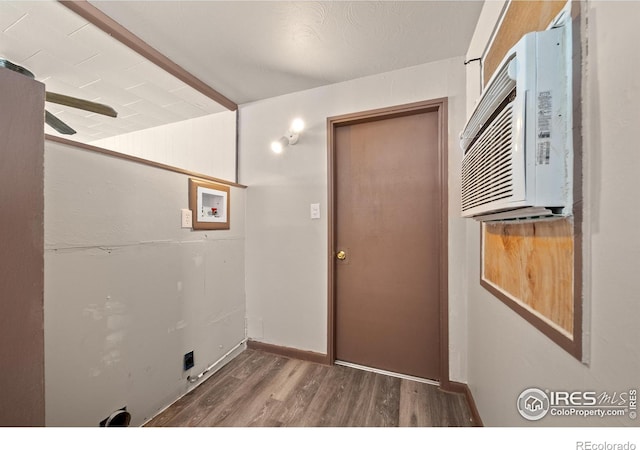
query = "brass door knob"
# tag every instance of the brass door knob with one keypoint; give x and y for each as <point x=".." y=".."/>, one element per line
<point x="341" y="255"/>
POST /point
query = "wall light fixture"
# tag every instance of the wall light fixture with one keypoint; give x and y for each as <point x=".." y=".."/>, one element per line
<point x="290" y="138"/>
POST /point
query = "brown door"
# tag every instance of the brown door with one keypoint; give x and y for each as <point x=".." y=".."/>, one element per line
<point x="387" y="223"/>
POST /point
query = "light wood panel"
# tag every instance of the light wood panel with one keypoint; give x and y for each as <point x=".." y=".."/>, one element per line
<point x="533" y="262"/>
<point x="521" y="17"/>
<point x="259" y="389"/>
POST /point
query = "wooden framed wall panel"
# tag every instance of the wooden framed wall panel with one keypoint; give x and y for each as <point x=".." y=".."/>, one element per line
<point x="536" y="268"/>
<point x="528" y="263"/>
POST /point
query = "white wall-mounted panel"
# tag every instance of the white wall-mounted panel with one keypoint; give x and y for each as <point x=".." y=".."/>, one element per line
<point x="205" y="144"/>
<point x="128" y="291"/>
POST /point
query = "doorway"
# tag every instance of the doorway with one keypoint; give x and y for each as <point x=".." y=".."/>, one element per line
<point x="388" y="240"/>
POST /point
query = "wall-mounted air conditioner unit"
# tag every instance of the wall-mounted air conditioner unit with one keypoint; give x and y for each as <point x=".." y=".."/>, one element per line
<point x="517" y="144"/>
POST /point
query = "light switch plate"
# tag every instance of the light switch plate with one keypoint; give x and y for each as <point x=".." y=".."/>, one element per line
<point x="315" y="210"/>
<point x="187" y="218"/>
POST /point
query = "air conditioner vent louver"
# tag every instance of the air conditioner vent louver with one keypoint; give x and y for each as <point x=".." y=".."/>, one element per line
<point x="487" y="173"/>
<point x="500" y="88"/>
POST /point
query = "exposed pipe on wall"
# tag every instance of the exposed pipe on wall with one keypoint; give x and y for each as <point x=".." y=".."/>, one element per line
<point x="195" y="379"/>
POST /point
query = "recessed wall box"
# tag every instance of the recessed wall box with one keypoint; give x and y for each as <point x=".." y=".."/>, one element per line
<point x="210" y="205"/>
<point x="188" y="361"/>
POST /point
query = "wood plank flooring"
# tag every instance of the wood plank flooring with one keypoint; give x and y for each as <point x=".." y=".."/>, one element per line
<point x="259" y="389"/>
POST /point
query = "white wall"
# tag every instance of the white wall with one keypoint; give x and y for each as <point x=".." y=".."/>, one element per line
<point x="506" y="353"/>
<point x="286" y="250"/>
<point x="205" y="144"/>
<point x="127" y="291"/>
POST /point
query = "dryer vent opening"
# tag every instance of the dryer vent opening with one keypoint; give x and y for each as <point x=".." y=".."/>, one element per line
<point x="119" y="418"/>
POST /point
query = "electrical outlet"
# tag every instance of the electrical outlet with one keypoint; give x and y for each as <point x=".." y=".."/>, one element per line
<point x="315" y="210"/>
<point x="187" y="218"/>
<point x="189" y="360"/>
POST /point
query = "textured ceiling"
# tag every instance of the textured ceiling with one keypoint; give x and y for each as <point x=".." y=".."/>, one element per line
<point x="246" y="50"/>
<point x="251" y="50"/>
<point x="72" y="57"/>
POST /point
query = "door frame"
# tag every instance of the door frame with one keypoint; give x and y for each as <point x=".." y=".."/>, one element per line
<point x="440" y="106"/>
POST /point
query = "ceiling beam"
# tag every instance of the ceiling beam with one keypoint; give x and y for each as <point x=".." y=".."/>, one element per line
<point x="95" y="16"/>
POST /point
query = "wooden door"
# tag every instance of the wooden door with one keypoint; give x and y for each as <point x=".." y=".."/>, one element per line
<point x="388" y="211"/>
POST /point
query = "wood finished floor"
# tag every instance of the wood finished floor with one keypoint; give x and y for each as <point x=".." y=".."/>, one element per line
<point x="264" y="390"/>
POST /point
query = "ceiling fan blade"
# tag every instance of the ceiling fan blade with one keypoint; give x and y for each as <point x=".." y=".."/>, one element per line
<point x="57" y="124"/>
<point x="16" y="68"/>
<point x="86" y="105"/>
